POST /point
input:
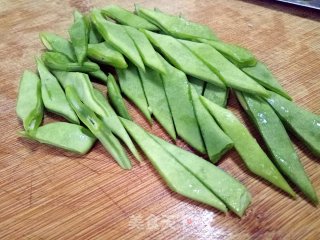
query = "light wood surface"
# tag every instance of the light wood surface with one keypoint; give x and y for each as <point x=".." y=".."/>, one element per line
<point x="46" y="193"/>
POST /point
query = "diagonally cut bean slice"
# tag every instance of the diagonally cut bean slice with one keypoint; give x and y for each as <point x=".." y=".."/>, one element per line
<point x="79" y="35"/>
<point x="262" y="75"/>
<point x="177" y="177"/>
<point x="304" y="124"/>
<point x="116" y="99"/>
<point x="68" y="136"/>
<point x="148" y="54"/>
<point x="239" y="56"/>
<point x="177" y="92"/>
<point x="216" y="94"/>
<point x="117" y="36"/>
<point x="247" y="147"/>
<point x="278" y="142"/>
<point x="97" y="127"/>
<point x="53" y="97"/>
<point x="224" y="186"/>
<point x="157" y="99"/>
<point x="177" y="26"/>
<point x="126" y="17"/>
<point x="130" y="85"/>
<point x="106" y="54"/>
<point x="229" y="73"/>
<point x="182" y="58"/>
<point x="216" y="141"/>
<point x="29" y="103"/>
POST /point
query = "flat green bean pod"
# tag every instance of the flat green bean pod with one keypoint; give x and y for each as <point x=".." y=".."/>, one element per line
<point x="116" y="99"/>
<point x="118" y="37"/>
<point x="157" y="99"/>
<point x="59" y="61"/>
<point x="229" y="73"/>
<point x="304" y="124"/>
<point x="97" y="127"/>
<point x="177" y="177"/>
<point x="278" y="142"/>
<point x="180" y="103"/>
<point x="126" y="17"/>
<point x="29" y="103"/>
<point x="53" y="97"/>
<point x="148" y="54"/>
<point x="177" y="26"/>
<point x="216" y="141"/>
<point x="106" y="54"/>
<point x="262" y="75"/>
<point x="182" y="58"/>
<point x="79" y="35"/>
<point x="68" y="136"/>
<point x="247" y="147"/>
<point x="131" y="86"/>
<point x="229" y="190"/>
<point x="239" y="56"/>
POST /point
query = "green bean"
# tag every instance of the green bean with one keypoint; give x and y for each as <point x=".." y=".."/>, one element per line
<point x="125" y="17"/>
<point x="198" y="84"/>
<point x="177" y="26"/>
<point x="68" y="136"/>
<point x="230" y="74"/>
<point x="304" y="124"/>
<point x="116" y="99"/>
<point x="53" y="97"/>
<point x="56" y="43"/>
<point x="29" y="103"/>
<point x="229" y="190"/>
<point x="215" y="94"/>
<point x="247" y="147"/>
<point x="79" y="35"/>
<point x="216" y="141"/>
<point x="113" y="122"/>
<point x="93" y="34"/>
<point x="117" y="36"/>
<point x="176" y="87"/>
<point x="177" y="177"/>
<point x="105" y="53"/>
<point x="278" y="142"/>
<point x="97" y="127"/>
<point x="130" y="85"/>
<point x="262" y="75"/>
<point x="157" y="99"/>
<point x="148" y="54"/>
<point x="58" y="61"/>
<point x="77" y="15"/>
<point x="182" y="58"/>
<point x="94" y="99"/>
<point x="239" y="56"/>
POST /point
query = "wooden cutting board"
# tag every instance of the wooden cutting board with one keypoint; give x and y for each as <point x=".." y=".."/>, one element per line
<point x="47" y="193"/>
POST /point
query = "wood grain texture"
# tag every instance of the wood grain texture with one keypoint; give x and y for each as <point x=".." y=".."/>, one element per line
<point x="48" y="193"/>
